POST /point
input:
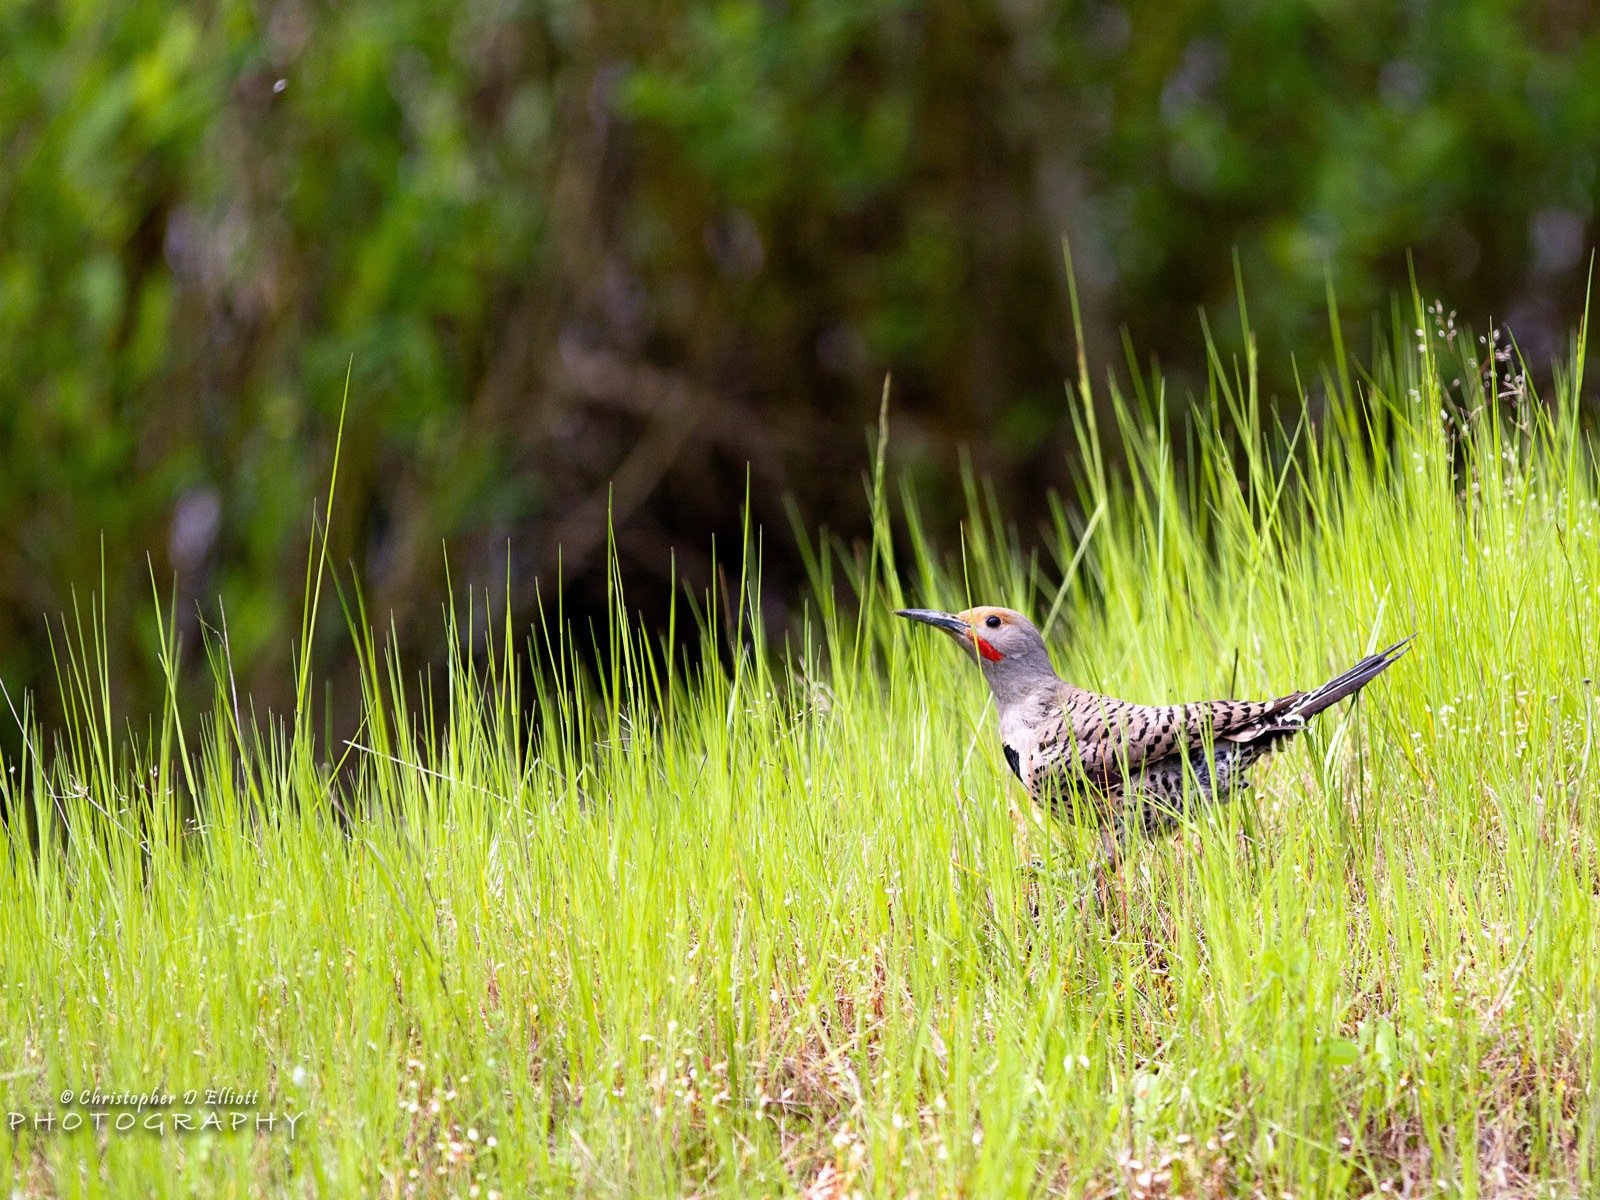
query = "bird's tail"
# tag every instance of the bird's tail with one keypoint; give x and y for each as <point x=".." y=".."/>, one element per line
<point x="1347" y="684"/>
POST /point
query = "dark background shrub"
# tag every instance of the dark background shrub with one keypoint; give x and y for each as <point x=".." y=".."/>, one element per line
<point x="644" y="257"/>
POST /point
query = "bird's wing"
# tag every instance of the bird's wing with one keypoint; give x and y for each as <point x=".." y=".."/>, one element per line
<point x="1112" y="738"/>
<point x="1101" y="741"/>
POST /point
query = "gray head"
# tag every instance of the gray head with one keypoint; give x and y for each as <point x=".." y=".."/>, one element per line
<point x="1001" y="641"/>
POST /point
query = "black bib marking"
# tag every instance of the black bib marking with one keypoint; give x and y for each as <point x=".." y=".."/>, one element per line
<point x="1015" y="760"/>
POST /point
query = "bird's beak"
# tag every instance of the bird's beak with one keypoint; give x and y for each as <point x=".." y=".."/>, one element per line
<point x="951" y="624"/>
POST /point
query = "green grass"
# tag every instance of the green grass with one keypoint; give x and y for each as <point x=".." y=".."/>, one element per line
<point x="769" y="925"/>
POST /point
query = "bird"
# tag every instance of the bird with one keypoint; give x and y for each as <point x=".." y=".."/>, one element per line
<point x="1089" y="758"/>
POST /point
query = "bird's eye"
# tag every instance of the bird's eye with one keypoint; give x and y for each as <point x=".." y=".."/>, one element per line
<point x="993" y="622"/>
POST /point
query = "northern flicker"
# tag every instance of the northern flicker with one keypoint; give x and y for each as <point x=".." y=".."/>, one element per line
<point x="1125" y="766"/>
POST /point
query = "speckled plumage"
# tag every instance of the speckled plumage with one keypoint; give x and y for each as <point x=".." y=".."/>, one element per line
<point x="1120" y="765"/>
<point x="1085" y="755"/>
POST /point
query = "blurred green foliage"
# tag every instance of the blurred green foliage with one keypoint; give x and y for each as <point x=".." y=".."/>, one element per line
<point x="588" y="257"/>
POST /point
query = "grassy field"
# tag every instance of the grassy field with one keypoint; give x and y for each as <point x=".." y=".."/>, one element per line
<point x="774" y="919"/>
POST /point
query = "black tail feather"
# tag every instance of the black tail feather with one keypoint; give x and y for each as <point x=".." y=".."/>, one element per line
<point x="1349" y="683"/>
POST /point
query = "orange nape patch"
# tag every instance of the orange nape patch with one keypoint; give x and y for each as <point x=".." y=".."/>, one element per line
<point x="985" y="649"/>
